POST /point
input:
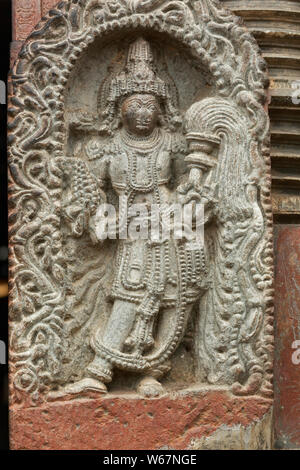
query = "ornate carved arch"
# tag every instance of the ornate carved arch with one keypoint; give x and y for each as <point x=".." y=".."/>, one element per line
<point x="38" y="136"/>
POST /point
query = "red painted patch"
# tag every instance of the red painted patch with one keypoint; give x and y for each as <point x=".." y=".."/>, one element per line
<point x="287" y="309"/>
<point x="26" y="15"/>
<point x="47" y="5"/>
<point x="129" y="422"/>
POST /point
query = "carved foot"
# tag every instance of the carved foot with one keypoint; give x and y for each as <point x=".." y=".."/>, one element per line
<point x="84" y="385"/>
<point x="149" y="387"/>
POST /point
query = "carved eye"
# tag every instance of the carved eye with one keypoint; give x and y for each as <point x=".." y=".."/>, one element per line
<point x="133" y="107"/>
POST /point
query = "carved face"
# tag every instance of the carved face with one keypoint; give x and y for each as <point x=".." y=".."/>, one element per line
<point x="140" y="114"/>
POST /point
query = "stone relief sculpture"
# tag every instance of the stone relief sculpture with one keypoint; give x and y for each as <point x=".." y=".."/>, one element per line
<point x="147" y="290"/>
<point x="105" y="115"/>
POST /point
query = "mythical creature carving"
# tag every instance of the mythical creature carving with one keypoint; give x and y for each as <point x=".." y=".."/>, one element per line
<point x="75" y="322"/>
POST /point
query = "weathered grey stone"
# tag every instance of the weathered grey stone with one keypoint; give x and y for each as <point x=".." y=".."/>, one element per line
<point x="99" y="89"/>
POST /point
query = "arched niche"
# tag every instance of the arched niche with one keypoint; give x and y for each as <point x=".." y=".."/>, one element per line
<point x="56" y="77"/>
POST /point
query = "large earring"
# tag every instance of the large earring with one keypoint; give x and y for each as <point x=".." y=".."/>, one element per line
<point x="161" y="120"/>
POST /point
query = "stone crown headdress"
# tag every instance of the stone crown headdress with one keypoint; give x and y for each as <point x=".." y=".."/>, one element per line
<point x="138" y="76"/>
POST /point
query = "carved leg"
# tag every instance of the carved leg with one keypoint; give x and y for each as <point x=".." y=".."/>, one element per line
<point x="119" y="324"/>
<point x="100" y="369"/>
<point x="116" y="332"/>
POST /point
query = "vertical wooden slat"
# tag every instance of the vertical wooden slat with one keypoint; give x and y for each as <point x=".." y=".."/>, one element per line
<point x="287" y="338"/>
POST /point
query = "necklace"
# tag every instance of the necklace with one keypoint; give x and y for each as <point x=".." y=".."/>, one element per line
<point x="141" y="142"/>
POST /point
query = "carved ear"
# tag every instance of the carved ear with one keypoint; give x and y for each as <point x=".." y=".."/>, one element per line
<point x="78" y="149"/>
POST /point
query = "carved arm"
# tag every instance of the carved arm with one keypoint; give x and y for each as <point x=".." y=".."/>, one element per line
<point x="202" y="158"/>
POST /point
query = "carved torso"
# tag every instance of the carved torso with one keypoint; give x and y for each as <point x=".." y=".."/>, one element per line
<point x="137" y="166"/>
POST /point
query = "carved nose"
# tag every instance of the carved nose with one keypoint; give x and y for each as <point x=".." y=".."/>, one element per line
<point x="145" y="113"/>
<point x="142" y="114"/>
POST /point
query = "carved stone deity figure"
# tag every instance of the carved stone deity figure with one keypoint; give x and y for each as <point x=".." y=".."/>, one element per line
<point x="156" y="280"/>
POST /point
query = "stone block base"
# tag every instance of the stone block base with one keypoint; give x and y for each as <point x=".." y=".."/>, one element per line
<point x="189" y="419"/>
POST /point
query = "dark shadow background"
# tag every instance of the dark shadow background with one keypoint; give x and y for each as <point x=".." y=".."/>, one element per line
<point x="5" y="38"/>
